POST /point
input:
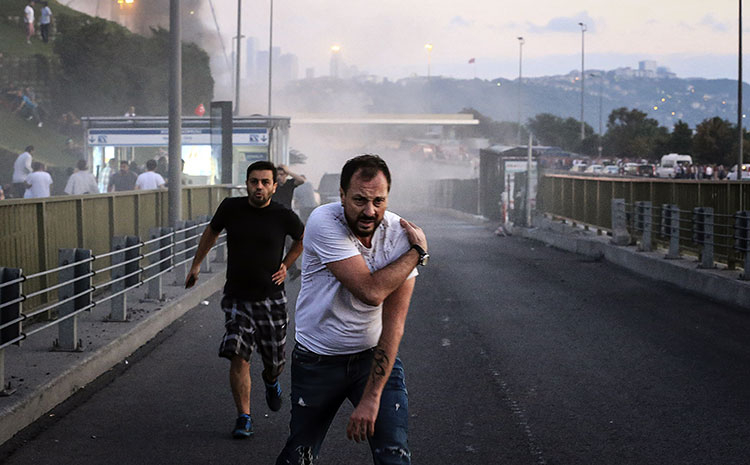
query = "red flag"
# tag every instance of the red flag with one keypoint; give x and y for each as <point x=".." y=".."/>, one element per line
<point x="200" y="110"/>
<point x="471" y="61"/>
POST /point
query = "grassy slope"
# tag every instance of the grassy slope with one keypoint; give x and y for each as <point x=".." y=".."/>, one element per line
<point x="15" y="132"/>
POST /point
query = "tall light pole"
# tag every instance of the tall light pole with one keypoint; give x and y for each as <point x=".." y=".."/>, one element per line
<point x="583" y="79"/>
<point x="739" y="102"/>
<point x="428" y="47"/>
<point x="601" y="93"/>
<point x="520" y="83"/>
<point x="237" y="60"/>
<point x="174" y="195"/>
<point x="270" y="57"/>
<point x="335" y="61"/>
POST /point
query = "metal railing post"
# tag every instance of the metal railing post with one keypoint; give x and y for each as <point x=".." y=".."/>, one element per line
<point x="670" y="227"/>
<point x="118" y="310"/>
<point x="179" y="269"/>
<point x="67" y="338"/>
<point x="703" y="233"/>
<point x="742" y="240"/>
<point x="644" y="222"/>
<point x="620" y="235"/>
<point x="154" y="292"/>
<point x="8" y="293"/>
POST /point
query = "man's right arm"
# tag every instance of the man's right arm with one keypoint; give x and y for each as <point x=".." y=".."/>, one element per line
<point x="208" y="239"/>
<point x="373" y="288"/>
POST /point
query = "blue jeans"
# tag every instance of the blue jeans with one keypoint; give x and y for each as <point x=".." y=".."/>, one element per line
<point x="321" y="383"/>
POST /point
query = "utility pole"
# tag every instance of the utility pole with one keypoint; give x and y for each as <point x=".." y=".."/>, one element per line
<point x="237" y="60"/>
<point x="520" y="83"/>
<point x="270" y="58"/>
<point x="583" y="79"/>
<point x="739" y="103"/>
<point x="175" y="114"/>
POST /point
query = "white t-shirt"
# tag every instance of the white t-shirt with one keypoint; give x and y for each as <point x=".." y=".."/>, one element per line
<point x="40" y="182"/>
<point x="329" y="319"/>
<point x="149" y="180"/>
<point x="22" y="167"/>
<point x="28" y="14"/>
<point x="46" y="15"/>
<point x="81" y="182"/>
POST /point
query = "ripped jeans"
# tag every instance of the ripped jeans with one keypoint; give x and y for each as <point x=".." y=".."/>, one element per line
<point x="321" y="383"/>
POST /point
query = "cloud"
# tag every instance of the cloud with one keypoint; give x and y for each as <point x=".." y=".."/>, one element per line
<point x="459" y="21"/>
<point x="564" y="24"/>
<point x="713" y="24"/>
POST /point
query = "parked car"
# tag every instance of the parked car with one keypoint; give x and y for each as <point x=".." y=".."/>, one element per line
<point x="611" y="170"/>
<point x="646" y="170"/>
<point x="669" y="162"/>
<point x="594" y="169"/>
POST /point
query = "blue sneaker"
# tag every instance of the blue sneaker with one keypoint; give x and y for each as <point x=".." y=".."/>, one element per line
<point x="273" y="396"/>
<point x="243" y="428"/>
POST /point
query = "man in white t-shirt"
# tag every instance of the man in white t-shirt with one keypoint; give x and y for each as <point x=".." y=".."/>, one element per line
<point x="28" y="21"/>
<point x="21" y="169"/>
<point x="38" y="183"/>
<point x="149" y="179"/>
<point x="81" y="182"/>
<point x="358" y="268"/>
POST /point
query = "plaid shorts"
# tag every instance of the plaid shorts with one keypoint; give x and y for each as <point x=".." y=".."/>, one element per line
<point x="257" y="325"/>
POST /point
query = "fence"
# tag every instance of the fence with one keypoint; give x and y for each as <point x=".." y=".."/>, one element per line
<point x="32" y="230"/>
<point x="128" y="264"/>
<point x="695" y="217"/>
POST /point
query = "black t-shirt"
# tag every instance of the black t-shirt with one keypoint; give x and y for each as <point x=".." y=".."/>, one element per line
<point x="123" y="181"/>
<point x="284" y="193"/>
<point x="255" y="239"/>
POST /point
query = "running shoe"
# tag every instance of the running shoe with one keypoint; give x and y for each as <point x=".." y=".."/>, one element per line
<point x="243" y="428"/>
<point x="273" y="396"/>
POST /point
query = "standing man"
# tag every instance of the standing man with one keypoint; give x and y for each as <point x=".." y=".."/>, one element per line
<point x="44" y="21"/>
<point x="106" y="174"/>
<point x="38" y="183"/>
<point x="285" y="191"/>
<point x="358" y="272"/>
<point x="254" y="301"/>
<point x="28" y="21"/>
<point x="149" y="179"/>
<point x="123" y="180"/>
<point x="21" y="169"/>
<point x="81" y="182"/>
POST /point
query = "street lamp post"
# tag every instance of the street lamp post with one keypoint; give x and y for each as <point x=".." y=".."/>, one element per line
<point x="520" y="83"/>
<point x="237" y="60"/>
<point x="583" y="79"/>
<point x="739" y="102"/>
<point x="428" y="47"/>
<point x="270" y="57"/>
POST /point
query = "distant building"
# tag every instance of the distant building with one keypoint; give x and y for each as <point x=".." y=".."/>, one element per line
<point x="287" y="68"/>
<point x="252" y="55"/>
<point x="309" y="73"/>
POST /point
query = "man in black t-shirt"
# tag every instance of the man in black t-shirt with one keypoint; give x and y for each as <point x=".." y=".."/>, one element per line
<point x="288" y="181"/>
<point x="123" y="180"/>
<point x="254" y="301"/>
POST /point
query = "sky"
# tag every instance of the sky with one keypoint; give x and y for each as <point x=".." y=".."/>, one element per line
<point x="694" y="38"/>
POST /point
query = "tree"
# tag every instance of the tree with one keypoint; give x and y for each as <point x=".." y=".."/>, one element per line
<point x="564" y="133"/>
<point x="715" y="141"/>
<point x="631" y="134"/>
<point x="681" y="139"/>
<point x="501" y="132"/>
<point x="105" y="69"/>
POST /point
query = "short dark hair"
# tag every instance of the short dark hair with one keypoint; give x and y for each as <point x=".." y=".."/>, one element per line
<point x="370" y="165"/>
<point x="29" y="148"/>
<point x="81" y="165"/>
<point x="37" y="166"/>
<point x="262" y="165"/>
<point x="151" y="165"/>
<point x="124" y="162"/>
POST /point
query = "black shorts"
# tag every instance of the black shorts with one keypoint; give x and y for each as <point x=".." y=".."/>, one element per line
<point x="259" y="325"/>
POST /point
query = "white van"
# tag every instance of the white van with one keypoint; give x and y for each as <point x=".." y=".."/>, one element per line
<point x="669" y="162"/>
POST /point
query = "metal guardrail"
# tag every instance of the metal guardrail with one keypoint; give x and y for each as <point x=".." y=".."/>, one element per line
<point x="166" y="250"/>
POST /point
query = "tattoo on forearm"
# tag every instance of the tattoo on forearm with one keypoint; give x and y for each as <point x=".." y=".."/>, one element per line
<point x="379" y="364"/>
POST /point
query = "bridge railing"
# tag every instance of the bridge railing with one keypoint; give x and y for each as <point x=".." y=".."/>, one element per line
<point x="129" y="264"/>
<point x="676" y="211"/>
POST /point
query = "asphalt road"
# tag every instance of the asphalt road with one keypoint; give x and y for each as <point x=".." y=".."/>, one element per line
<point x="514" y="352"/>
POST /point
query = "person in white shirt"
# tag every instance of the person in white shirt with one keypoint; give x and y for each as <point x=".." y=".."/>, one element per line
<point x="81" y="182"/>
<point x="21" y="169"/>
<point x="358" y="270"/>
<point x="38" y="183"/>
<point x="28" y="20"/>
<point x="44" y="21"/>
<point x="149" y="179"/>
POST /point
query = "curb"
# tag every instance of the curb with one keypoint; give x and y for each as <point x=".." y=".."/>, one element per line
<point x="720" y="285"/>
<point x="86" y="369"/>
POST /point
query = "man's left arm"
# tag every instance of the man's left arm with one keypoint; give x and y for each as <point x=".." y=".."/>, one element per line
<point x="395" y="307"/>
<point x="291" y="256"/>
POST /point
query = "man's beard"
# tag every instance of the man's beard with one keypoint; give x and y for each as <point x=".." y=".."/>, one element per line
<point x="258" y="202"/>
<point x="354" y="225"/>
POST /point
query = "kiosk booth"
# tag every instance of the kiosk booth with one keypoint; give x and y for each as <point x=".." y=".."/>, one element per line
<point x="206" y="159"/>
